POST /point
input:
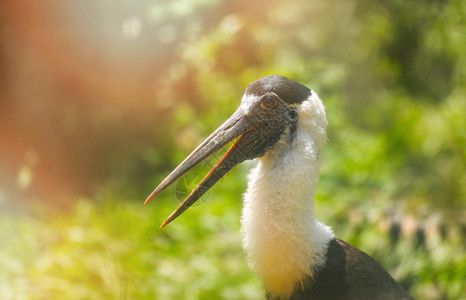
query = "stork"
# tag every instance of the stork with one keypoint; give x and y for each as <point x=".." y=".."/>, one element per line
<point x="283" y="123"/>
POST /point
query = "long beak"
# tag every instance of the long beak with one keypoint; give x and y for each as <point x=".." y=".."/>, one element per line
<point x="236" y="126"/>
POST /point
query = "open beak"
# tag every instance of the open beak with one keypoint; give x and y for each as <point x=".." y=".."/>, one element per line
<point x="236" y="126"/>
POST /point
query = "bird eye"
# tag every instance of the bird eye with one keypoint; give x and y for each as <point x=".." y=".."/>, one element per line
<point x="269" y="102"/>
<point x="292" y="115"/>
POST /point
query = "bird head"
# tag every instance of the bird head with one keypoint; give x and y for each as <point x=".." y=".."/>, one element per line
<point x="268" y="109"/>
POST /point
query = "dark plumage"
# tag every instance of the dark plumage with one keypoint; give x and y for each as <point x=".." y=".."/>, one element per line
<point x="349" y="274"/>
<point x="288" y="90"/>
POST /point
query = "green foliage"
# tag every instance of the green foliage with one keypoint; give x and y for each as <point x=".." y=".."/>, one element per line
<point x="115" y="251"/>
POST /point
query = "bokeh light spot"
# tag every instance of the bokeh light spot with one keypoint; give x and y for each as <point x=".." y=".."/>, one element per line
<point x="25" y="177"/>
<point x="131" y="27"/>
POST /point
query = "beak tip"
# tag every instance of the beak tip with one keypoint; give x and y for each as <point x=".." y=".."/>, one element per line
<point x="165" y="223"/>
<point x="151" y="196"/>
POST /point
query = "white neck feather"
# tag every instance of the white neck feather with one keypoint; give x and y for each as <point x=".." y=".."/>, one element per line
<point x="284" y="242"/>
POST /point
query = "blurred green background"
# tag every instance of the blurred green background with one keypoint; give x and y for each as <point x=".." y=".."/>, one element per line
<point x="99" y="100"/>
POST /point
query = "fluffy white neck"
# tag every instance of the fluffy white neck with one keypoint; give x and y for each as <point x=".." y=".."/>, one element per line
<point x="284" y="242"/>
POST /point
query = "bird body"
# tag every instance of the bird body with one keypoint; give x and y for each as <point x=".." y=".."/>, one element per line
<point x="283" y="123"/>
